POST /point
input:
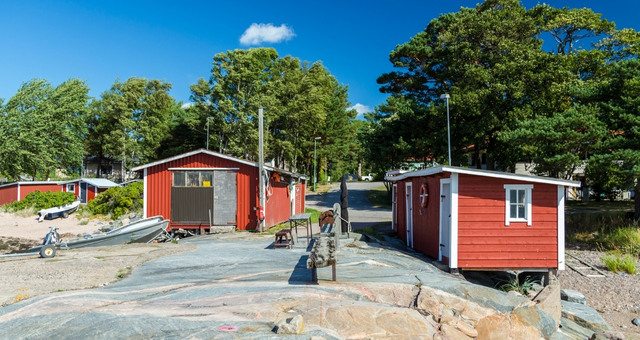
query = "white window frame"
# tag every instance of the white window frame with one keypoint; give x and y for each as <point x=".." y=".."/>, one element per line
<point x="528" y="188"/>
<point x="73" y="187"/>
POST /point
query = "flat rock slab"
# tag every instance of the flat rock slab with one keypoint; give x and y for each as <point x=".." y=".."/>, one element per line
<point x="236" y="285"/>
<point x="573" y="296"/>
<point x="584" y="316"/>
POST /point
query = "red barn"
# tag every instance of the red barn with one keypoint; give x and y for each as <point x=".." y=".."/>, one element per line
<point x="482" y="220"/>
<point x="17" y="191"/>
<point x="202" y="188"/>
<point x="86" y="189"/>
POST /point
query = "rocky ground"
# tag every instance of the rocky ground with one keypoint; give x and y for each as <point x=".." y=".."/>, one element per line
<point x="23" y="278"/>
<point x="614" y="297"/>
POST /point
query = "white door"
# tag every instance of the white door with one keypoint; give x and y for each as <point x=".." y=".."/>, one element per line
<point x="445" y="219"/>
<point x="409" y="211"/>
<point x="394" y="207"/>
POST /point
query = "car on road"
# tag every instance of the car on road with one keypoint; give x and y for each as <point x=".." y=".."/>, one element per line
<point x="367" y="178"/>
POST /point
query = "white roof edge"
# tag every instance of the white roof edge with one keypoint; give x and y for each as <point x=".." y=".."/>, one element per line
<point x="485" y="173"/>
<point x="215" y="154"/>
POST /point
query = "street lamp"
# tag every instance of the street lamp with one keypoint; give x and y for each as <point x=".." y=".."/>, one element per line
<point x="315" y="176"/>
<point x="446" y="97"/>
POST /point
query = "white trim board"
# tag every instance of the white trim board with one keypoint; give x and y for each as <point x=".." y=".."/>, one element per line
<point x="484" y="173"/>
<point x="144" y="193"/>
<point x="561" y="232"/>
<point x="453" y="259"/>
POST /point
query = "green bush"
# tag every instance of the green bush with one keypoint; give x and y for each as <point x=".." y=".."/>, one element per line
<point x="617" y="262"/>
<point x="118" y="201"/>
<point x="623" y="239"/>
<point x="41" y="200"/>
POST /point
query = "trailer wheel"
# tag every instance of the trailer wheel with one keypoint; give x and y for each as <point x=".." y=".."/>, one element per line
<point x="48" y="251"/>
<point x="65" y="214"/>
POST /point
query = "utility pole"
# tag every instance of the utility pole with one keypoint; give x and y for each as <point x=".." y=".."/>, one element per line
<point x="315" y="161"/>
<point x="261" y="177"/>
<point x="446" y="97"/>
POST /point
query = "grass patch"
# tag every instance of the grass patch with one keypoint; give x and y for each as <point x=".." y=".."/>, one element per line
<point x="321" y="188"/>
<point x="617" y="262"/>
<point x="315" y="214"/>
<point x="371" y="231"/>
<point x="514" y="284"/>
<point x="610" y="228"/>
<point x="379" y="197"/>
<point x="123" y="272"/>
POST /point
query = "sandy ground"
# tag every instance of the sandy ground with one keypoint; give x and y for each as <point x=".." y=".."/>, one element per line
<point x="15" y="225"/>
<point x="615" y="297"/>
<point x="23" y="278"/>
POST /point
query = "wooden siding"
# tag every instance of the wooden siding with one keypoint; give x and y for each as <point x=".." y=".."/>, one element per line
<point x="278" y="203"/>
<point x="300" y="198"/>
<point x="8" y="194"/>
<point x="485" y="241"/>
<point x="159" y="184"/>
<point x="26" y="189"/>
<point x="401" y="223"/>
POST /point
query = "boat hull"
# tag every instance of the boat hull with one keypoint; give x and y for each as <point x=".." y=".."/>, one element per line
<point x="142" y="234"/>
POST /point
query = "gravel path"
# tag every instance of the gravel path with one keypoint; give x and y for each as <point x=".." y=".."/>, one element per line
<point x="614" y="297"/>
<point x="361" y="212"/>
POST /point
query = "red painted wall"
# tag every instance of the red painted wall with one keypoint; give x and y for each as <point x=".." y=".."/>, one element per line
<point x="278" y="203"/>
<point x="8" y="194"/>
<point x="402" y="228"/>
<point x="300" y="197"/>
<point x="91" y="193"/>
<point x="485" y="241"/>
<point x="158" y="194"/>
<point x="26" y="189"/>
<point x="76" y="190"/>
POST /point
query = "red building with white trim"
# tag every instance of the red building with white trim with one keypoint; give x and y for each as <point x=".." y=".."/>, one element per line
<point x="481" y="220"/>
<point x="86" y="189"/>
<point x="17" y="191"/>
<point x="202" y="188"/>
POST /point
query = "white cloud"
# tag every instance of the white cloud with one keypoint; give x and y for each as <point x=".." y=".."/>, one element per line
<point x="186" y="106"/>
<point x="257" y="34"/>
<point x="361" y="109"/>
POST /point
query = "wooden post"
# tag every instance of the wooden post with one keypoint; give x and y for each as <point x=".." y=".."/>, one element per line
<point x="337" y="223"/>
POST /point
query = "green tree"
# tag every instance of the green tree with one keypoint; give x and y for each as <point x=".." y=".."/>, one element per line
<point x="301" y="101"/>
<point x="43" y="129"/>
<point x="131" y="120"/>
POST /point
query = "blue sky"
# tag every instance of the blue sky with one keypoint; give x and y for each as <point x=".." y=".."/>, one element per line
<point x="102" y="41"/>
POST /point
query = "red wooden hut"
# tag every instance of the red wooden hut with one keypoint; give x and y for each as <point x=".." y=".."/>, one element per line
<point x="17" y="191"/>
<point x="201" y="189"/>
<point x="86" y="189"/>
<point x="482" y="220"/>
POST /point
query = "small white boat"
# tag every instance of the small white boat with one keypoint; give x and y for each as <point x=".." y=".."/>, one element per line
<point x="141" y="231"/>
<point x="56" y="212"/>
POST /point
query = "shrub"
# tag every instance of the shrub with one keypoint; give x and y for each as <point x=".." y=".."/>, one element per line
<point x="624" y="239"/>
<point x="514" y="284"/>
<point x="41" y="200"/>
<point x="617" y="262"/>
<point x="118" y="201"/>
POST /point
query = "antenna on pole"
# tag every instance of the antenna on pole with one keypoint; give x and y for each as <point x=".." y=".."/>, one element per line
<point x="261" y="177"/>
